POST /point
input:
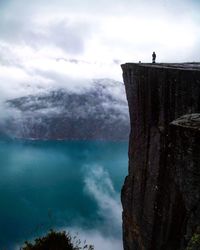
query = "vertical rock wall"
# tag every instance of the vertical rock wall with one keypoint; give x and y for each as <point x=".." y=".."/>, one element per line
<point x="157" y="210"/>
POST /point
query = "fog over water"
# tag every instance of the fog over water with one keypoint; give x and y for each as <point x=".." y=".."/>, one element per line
<point x="71" y="185"/>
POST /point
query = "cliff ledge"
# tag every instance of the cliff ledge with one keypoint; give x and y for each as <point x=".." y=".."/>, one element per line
<point x="161" y="194"/>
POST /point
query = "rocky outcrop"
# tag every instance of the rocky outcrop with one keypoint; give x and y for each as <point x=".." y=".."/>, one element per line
<point x="161" y="194"/>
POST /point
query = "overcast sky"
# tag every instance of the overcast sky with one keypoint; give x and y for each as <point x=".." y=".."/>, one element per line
<point x="43" y="41"/>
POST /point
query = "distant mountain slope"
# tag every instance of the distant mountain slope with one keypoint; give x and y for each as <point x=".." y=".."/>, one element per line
<point x="98" y="112"/>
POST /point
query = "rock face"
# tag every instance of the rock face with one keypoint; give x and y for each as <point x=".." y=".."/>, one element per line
<point x="161" y="194"/>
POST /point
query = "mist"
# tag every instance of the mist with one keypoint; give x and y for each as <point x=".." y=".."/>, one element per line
<point x="49" y="43"/>
<point x="71" y="186"/>
<point x="99" y="186"/>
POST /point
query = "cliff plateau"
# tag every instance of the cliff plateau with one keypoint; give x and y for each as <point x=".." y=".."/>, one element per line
<point x="161" y="194"/>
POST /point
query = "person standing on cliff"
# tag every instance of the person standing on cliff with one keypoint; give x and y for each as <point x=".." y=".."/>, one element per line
<point x="154" y="57"/>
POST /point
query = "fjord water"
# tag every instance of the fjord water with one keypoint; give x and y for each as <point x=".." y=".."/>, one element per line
<point x="72" y="185"/>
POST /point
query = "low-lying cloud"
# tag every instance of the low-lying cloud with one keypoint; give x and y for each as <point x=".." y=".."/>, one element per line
<point x="44" y="43"/>
<point x="99" y="186"/>
<point x="97" y="239"/>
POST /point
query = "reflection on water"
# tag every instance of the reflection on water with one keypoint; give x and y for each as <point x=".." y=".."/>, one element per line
<point x="61" y="184"/>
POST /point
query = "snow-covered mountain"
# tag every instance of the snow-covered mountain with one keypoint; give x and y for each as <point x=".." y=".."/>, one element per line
<point x="98" y="112"/>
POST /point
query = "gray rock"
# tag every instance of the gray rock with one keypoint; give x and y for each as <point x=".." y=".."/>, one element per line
<point x="160" y="196"/>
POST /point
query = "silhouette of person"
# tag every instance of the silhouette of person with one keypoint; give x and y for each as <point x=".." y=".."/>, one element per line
<point x="154" y="57"/>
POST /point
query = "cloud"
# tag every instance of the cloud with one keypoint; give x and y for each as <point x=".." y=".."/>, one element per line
<point x="128" y="30"/>
<point x="99" y="186"/>
<point x="107" y="236"/>
<point x="91" y="38"/>
<point x="39" y="71"/>
<point x="67" y="34"/>
<point x="97" y="239"/>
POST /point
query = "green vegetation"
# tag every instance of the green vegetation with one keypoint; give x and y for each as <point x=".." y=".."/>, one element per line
<point x="57" y="241"/>
<point x="194" y="243"/>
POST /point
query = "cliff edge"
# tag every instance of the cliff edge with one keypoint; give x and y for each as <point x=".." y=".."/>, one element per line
<point x="161" y="194"/>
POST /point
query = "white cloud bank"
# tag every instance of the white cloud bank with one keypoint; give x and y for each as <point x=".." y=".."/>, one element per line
<point x="45" y="42"/>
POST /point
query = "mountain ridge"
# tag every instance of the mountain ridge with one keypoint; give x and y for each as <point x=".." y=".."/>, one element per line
<point x="96" y="112"/>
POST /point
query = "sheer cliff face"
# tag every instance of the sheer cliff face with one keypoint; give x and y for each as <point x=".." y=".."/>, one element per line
<point x="161" y="194"/>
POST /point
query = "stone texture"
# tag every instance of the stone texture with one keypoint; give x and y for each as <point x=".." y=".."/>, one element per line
<point x="160" y="196"/>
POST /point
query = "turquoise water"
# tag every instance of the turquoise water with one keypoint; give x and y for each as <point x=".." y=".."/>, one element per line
<point x="60" y="184"/>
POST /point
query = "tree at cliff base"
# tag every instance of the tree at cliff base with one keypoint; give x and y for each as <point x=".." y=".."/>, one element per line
<point x="57" y="241"/>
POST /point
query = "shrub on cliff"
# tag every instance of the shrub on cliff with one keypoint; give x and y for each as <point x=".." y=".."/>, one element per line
<point x="57" y="241"/>
<point x="194" y="243"/>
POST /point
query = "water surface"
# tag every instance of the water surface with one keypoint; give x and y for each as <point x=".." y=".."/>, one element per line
<point x="60" y="184"/>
